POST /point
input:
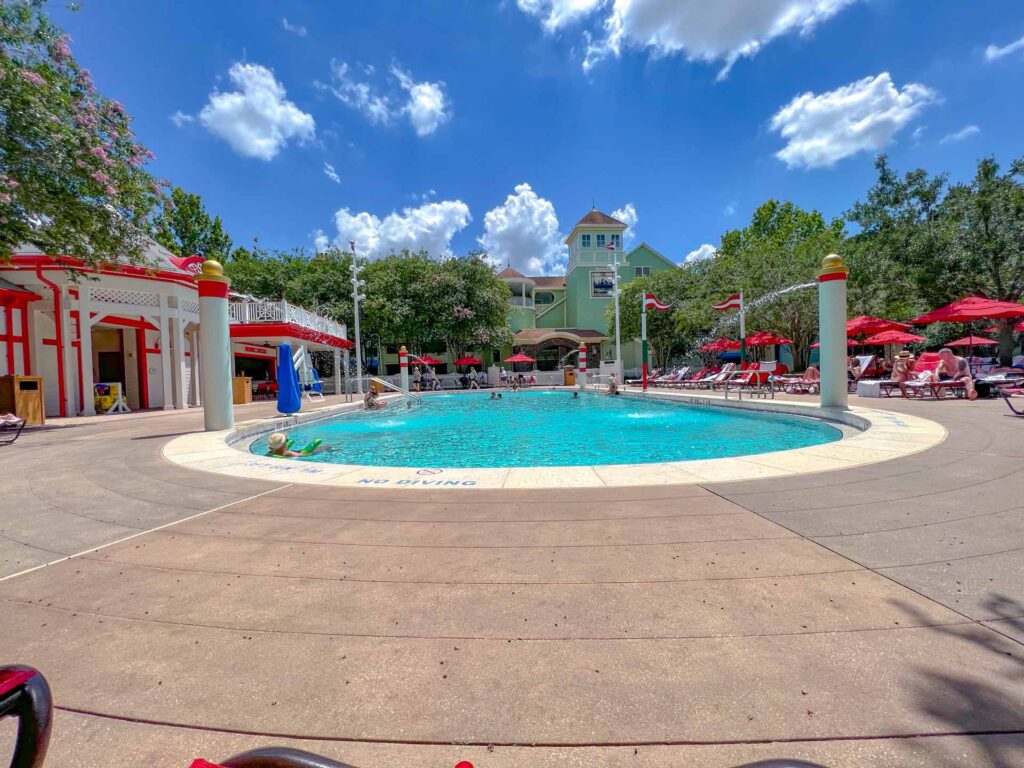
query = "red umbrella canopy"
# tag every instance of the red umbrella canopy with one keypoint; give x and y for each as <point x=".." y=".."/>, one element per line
<point x="469" y="360"/>
<point x="720" y="345"/>
<point x="849" y="343"/>
<point x="1018" y="328"/>
<point x="765" y="339"/>
<point x="428" y="360"/>
<point x="520" y="358"/>
<point x="971" y="308"/>
<point x="868" y="324"/>
<point x="971" y="341"/>
<point x="892" y="337"/>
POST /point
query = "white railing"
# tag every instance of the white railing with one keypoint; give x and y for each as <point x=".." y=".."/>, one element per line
<point x="519" y="301"/>
<point x="282" y="312"/>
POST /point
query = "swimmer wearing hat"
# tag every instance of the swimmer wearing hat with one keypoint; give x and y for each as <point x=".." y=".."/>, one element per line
<point x="278" y="444"/>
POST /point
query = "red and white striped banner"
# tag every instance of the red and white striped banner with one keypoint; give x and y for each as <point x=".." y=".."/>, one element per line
<point x="733" y="302"/>
<point x="651" y="302"/>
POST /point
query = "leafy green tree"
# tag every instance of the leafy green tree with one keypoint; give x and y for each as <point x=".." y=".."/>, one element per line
<point x="780" y="249"/>
<point x="667" y="331"/>
<point x="72" y="175"/>
<point x="185" y="228"/>
<point x="469" y="305"/>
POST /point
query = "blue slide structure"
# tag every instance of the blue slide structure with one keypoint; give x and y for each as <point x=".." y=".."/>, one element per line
<point x="289" y="396"/>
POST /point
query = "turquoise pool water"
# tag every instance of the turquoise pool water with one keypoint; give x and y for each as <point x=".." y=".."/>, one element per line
<point x="550" y="429"/>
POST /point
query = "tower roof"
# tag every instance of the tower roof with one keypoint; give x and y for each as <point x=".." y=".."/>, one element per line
<point x="595" y="217"/>
<point x="509" y="272"/>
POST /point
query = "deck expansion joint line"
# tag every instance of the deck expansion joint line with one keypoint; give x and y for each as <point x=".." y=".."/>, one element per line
<point x="136" y="535"/>
<point x="537" y="744"/>
<point x="478" y="522"/>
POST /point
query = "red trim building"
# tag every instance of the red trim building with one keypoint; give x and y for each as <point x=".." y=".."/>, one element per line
<point x="137" y="327"/>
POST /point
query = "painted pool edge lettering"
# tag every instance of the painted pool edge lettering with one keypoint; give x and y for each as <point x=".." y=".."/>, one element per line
<point x="546" y="428"/>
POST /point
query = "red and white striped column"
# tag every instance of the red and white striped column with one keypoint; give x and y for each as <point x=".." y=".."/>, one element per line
<point x="583" y="367"/>
<point x="215" y="347"/>
<point x="403" y="367"/>
<point x="832" y="331"/>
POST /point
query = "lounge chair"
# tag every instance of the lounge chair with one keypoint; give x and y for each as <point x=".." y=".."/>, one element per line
<point x="1009" y="394"/>
<point x="924" y="385"/>
<point x="868" y="368"/>
<point x="11" y="427"/>
<point x="709" y="375"/>
<point x="742" y="374"/>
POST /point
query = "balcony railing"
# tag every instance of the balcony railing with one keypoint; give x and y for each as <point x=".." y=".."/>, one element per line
<point x="520" y="301"/>
<point x="282" y="312"/>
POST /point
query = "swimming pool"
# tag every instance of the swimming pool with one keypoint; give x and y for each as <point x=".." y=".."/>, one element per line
<point x="550" y="429"/>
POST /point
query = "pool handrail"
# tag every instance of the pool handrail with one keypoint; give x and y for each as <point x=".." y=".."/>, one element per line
<point x="389" y="385"/>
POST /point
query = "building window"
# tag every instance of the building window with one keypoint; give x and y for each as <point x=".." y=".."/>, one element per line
<point x="643" y="271"/>
<point x="617" y="240"/>
<point x="585" y="241"/>
<point x="545" y="298"/>
<point x="600" y="241"/>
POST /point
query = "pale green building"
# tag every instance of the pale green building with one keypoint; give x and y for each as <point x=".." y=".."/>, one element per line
<point x="551" y="316"/>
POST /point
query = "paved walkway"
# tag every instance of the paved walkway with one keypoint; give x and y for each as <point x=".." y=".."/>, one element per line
<point x="827" y="616"/>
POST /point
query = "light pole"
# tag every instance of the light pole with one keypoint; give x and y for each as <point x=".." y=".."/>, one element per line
<point x="615" y="282"/>
<point x="356" y="297"/>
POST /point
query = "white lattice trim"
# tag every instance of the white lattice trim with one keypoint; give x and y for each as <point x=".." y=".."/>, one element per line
<point x="121" y="296"/>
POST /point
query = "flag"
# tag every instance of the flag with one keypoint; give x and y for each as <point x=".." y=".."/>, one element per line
<point x="733" y="302"/>
<point x="610" y="246"/>
<point x="352" y="246"/>
<point x="651" y="302"/>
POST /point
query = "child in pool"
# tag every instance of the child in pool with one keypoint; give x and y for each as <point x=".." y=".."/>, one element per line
<point x="278" y="444"/>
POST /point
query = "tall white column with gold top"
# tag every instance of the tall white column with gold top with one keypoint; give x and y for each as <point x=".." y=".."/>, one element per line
<point x="832" y="331"/>
<point x="215" y="347"/>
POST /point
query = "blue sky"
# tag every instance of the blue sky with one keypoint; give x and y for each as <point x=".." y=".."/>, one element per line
<point x="448" y="122"/>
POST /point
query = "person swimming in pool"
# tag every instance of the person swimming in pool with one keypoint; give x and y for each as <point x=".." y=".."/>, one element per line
<point x="278" y="444"/>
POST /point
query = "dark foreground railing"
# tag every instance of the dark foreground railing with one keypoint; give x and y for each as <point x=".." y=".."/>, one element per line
<point x="24" y="694"/>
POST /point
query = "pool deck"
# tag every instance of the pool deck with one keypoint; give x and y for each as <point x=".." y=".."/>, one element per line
<point x="868" y="615"/>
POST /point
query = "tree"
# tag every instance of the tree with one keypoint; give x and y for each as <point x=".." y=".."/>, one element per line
<point x="469" y="305"/>
<point x="667" y="331"/>
<point x="185" y="228"/>
<point x="72" y="177"/>
<point x="774" y="260"/>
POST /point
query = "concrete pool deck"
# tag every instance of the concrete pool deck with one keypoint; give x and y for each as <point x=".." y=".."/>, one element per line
<point x="872" y="435"/>
<point x="868" y="615"/>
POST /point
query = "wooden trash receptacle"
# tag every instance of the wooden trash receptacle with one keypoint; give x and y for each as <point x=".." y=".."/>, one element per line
<point x="241" y="390"/>
<point x="569" y="376"/>
<point x="23" y="396"/>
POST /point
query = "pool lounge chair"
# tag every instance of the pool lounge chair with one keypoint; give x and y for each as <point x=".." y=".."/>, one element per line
<point x="1009" y="394"/>
<point x="741" y="374"/>
<point x="706" y="382"/>
<point x="924" y="385"/>
<point x="868" y="369"/>
<point x="10" y="428"/>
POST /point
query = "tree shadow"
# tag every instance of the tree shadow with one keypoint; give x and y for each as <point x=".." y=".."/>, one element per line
<point x="962" y="702"/>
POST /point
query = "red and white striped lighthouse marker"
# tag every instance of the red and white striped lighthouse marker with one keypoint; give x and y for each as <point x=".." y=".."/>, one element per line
<point x="215" y="347"/>
<point x="403" y="367"/>
<point x="832" y="331"/>
<point x="583" y="367"/>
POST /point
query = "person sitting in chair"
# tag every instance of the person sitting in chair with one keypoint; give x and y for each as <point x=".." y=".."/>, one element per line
<point x="613" y="385"/>
<point x="901" y="367"/>
<point x="955" y="369"/>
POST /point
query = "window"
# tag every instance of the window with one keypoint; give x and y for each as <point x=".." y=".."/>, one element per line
<point x="545" y="298"/>
<point x="617" y="240"/>
<point x="643" y="271"/>
<point x="585" y="241"/>
<point x="600" y="241"/>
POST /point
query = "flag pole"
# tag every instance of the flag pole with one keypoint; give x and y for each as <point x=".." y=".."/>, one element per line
<point x="618" y="337"/>
<point x="743" y="331"/>
<point x="643" y="336"/>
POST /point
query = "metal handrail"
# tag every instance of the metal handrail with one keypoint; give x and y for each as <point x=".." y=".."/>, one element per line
<point x="389" y="385"/>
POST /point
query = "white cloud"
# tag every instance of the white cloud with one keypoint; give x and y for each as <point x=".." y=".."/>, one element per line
<point x="706" y="251"/>
<point x="331" y="174"/>
<point x="558" y="13"/>
<point x="256" y="120"/>
<point x="628" y="216"/>
<point x="994" y="52"/>
<point x="424" y="104"/>
<point x="729" y="209"/>
<point x="918" y="133"/>
<point x="320" y="241"/>
<point x="179" y="118"/>
<point x="523" y="231"/>
<point x="964" y="133"/>
<point x="430" y="226"/>
<point x="295" y="29"/>
<point x="722" y="30"/>
<point x="864" y="116"/>
<point x="427" y="107"/>
<point x="358" y="95"/>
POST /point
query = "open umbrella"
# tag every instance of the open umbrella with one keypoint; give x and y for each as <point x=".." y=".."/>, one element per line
<point x="720" y="345"/>
<point x="1019" y="328"/>
<point x="428" y="360"/>
<point x="520" y="358"/>
<point x="971" y="341"/>
<point x="765" y="339"/>
<point x="971" y="308"/>
<point x="892" y="337"/>
<point x="866" y="324"/>
<point x="469" y="360"/>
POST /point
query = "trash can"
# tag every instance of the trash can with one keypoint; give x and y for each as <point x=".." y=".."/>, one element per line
<point x="569" y="376"/>
<point x="23" y="396"/>
<point x="377" y="387"/>
<point x="241" y="390"/>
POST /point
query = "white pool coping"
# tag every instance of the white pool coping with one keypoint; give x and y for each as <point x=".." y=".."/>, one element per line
<point x="870" y="436"/>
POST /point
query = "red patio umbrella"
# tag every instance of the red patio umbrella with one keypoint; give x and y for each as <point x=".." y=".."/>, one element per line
<point x="892" y="337"/>
<point x="469" y="360"/>
<point x="766" y="339"/>
<point x="866" y="324"/>
<point x="971" y="308"/>
<point x="720" y="345"/>
<point x="520" y="358"/>
<point x="1019" y="328"/>
<point x="428" y="360"/>
<point x="971" y="341"/>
